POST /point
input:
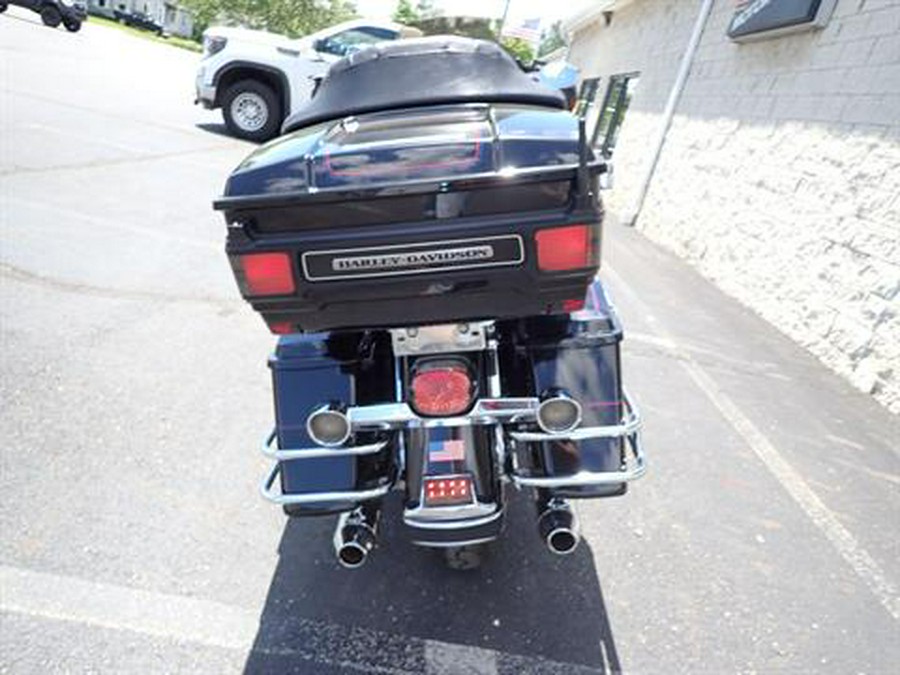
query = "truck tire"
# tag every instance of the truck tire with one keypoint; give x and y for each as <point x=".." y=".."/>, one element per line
<point x="252" y="111"/>
<point x="3" y="7"/>
<point x="72" y="26"/>
<point x="51" y="16"/>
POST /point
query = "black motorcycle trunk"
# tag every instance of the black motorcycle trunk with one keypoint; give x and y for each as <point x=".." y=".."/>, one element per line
<point x="416" y="216"/>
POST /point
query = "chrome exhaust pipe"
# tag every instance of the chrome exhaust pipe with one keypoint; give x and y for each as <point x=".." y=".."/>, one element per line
<point x="355" y="536"/>
<point x="558" y="526"/>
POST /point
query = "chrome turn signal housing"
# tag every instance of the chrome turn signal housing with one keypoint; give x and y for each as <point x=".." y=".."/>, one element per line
<point x="558" y="413"/>
<point x="329" y="425"/>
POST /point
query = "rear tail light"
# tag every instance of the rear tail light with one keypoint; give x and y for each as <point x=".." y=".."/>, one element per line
<point x="573" y="305"/>
<point x="441" y="388"/>
<point x="448" y="490"/>
<point x="563" y="248"/>
<point x="268" y="274"/>
<point x="281" y="327"/>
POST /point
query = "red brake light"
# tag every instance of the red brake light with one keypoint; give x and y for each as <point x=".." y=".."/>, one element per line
<point x="572" y="305"/>
<point x="442" y="390"/>
<point x="281" y="327"/>
<point x="563" y="248"/>
<point x="268" y="274"/>
<point x="448" y="490"/>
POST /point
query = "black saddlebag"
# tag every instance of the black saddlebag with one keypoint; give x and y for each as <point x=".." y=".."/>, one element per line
<point x="578" y="354"/>
<point x="457" y="207"/>
<point x="310" y="369"/>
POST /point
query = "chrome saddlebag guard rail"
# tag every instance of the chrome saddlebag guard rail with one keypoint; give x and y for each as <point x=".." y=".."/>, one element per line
<point x="629" y="429"/>
<point x="270" y="492"/>
<point x="395" y="416"/>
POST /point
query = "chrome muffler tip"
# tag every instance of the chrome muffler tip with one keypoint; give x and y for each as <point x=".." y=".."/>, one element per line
<point x="355" y="536"/>
<point x="558" y="527"/>
<point x="352" y="555"/>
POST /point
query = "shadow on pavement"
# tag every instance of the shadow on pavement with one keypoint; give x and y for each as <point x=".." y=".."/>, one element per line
<point x="217" y="128"/>
<point x="523" y="600"/>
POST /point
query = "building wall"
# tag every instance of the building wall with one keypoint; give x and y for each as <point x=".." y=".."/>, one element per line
<point x="780" y="176"/>
<point x="174" y="19"/>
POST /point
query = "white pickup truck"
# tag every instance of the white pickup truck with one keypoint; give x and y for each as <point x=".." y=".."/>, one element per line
<point x="260" y="78"/>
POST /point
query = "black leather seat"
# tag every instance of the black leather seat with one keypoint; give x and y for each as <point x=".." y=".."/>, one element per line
<point x="419" y="72"/>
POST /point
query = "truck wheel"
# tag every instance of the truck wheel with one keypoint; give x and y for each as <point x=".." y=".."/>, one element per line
<point x="3" y="7"/>
<point x="251" y="110"/>
<point x="51" y="16"/>
<point x="72" y="26"/>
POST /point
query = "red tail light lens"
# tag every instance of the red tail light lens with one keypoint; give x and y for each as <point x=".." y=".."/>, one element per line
<point x="281" y="327"/>
<point x="268" y="274"/>
<point x="441" y="390"/>
<point x="448" y="490"/>
<point x="563" y="248"/>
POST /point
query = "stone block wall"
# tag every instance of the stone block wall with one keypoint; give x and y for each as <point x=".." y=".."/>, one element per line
<point x="780" y="175"/>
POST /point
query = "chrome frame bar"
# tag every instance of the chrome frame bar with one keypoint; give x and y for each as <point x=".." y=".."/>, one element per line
<point x="270" y="450"/>
<point x="267" y="489"/>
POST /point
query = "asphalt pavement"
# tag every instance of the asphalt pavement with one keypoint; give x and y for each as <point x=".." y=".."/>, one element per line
<point x="134" y="393"/>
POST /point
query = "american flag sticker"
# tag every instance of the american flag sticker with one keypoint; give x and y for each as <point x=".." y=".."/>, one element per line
<point x="447" y="451"/>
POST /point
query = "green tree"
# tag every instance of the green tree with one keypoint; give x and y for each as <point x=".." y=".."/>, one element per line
<point x="405" y="13"/>
<point x="293" y="18"/>
<point x="551" y="40"/>
<point x="520" y="49"/>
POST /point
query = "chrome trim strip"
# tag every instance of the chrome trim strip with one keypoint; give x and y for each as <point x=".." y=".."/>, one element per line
<point x="400" y="415"/>
<point x="452" y="544"/>
<point x="454" y="524"/>
<point x="270" y="450"/>
<point x="268" y="491"/>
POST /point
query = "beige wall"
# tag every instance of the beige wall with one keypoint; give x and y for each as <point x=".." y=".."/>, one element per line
<point x="780" y="177"/>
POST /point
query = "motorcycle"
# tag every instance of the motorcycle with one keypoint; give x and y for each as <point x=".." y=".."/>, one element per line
<point x="424" y="240"/>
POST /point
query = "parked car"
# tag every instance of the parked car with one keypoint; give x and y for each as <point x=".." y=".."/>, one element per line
<point x="138" y="20"/>
<point x="260" y="78"/>
<point x="53" y="12"/>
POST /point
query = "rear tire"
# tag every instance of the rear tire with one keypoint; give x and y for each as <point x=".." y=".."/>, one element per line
<point x="462" y="558"/>
<point x="3" y="7"/>
<point x="252" y="111"/>
<point x="51" y="16"/>
<point x="72" y="26"/>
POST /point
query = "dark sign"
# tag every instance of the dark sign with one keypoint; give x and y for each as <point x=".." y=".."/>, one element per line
<point x="756" y="19"/>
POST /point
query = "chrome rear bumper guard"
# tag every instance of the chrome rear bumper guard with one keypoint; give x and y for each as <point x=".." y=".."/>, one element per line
<point x="629" y="429"/>
<point x="489" y="411"/>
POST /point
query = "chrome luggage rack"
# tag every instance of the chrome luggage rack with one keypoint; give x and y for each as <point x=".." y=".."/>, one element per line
<point x="486" y="411"/>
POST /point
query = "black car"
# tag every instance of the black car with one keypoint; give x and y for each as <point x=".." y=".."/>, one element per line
<point x="137" y="20"/>
<point x="53" y="12"/>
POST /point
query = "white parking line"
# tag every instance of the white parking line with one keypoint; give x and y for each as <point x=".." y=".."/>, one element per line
<point x="205" y="622"/>
<point x="843" y="541"/>
<point x="448" y="659"/>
